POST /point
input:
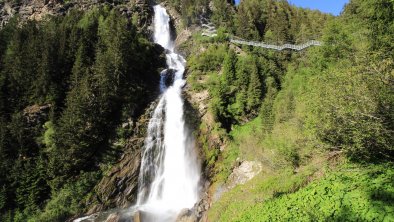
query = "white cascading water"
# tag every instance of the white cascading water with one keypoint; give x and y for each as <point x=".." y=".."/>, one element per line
<point x="170" y="172"/>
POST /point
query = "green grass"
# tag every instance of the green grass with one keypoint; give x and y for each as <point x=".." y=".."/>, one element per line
<point x="246" y="142"/>
<point x="350" y="193"/>
<point x="247" y="139"/>
<point x="265" y="186"/>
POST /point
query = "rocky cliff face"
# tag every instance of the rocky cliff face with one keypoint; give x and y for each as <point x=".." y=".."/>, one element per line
<point x="118" y="188"/>
<point x="199" y="107"/>
<point x="140" y="10"/>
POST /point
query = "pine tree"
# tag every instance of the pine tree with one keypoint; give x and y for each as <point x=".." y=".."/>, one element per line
<point x="238" y="108"/>
<point x="266" y="107"/>
<point x="254" y="89"/>
<point x="242" y="73"/>
<point x="229" y="68"/>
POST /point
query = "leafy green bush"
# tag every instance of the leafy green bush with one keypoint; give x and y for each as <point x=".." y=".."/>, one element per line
<point x="354" y="193"/>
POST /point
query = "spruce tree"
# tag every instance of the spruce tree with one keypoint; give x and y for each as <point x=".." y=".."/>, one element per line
<point x="242" y="73"/>
<point x="229" y="67"/>
<point x="254" y="88"/>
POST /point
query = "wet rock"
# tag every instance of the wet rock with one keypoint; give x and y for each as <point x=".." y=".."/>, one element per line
<point x="113" y="218"/>
<point x="143" y="216"/>
<point x="137" y="217"/>
<point x="159" y="50"/>
<point x="200" y="209"/>
<point x="118" y="188"/>
<point x="186" y="215"/>
<point x="168" y="75"/>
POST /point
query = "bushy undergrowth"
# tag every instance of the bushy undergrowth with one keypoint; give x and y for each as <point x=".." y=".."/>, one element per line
<point x="265" y="186"/>
<point x="289" y="110"/>
<point x="350" y="193"/>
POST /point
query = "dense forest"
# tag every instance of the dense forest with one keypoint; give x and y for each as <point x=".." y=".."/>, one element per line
<point x="67" y="84"/>
<point x="320" y="121"/>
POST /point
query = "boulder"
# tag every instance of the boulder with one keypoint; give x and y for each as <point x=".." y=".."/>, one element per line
<point x="143" y="216"/>
<point x="36" y="114"/>
<point x="137" y="217"/>
<point x="186" y="215"/>
<point x="243" y="173"/>
<point x="113" y="218"/>
<point x="168" y="75"/>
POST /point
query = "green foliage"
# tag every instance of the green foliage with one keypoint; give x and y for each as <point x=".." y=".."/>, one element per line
<point x="266" y="107"/>
<point x="351" y="194"/>
<point x="337" y="43"/>
<point x="210" y="60"/>
<point x="3" y="197"/>
<point x="32" y="175"/>
<point x="222" y="14"/>
<point x="277" y="22"/>
<point x="229" y="68"/>
<point x="222" y="35"/>
<point x="246" y="139"/>
<point x="189" y="10"/>
<point x="378" y="17"/>
<point x="279" y="108"/>
<point x="48" y="139"/>
<point x="287" y="110"/>
<point x="94" y="71"/>
<point x="66" y="202"/>
<point x="266" y="186"/>
<point x="255" y="90"/>
<point x="353" y="122"/>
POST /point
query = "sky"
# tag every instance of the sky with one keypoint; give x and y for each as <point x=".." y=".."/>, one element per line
<point x="330" y="6"/>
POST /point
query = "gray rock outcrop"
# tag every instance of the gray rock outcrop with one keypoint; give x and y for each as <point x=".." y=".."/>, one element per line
<point x="36" y="114"/>
<point x="40" y="9"/>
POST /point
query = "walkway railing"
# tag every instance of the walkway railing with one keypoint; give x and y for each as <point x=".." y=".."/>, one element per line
<point x="210" y="31"/>
<point x="277" y="47"/>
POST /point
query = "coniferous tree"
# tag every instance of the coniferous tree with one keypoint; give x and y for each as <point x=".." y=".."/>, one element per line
<point x="242" y="73"/>
<point x="229" y="70"/>
<point x="250" y="19"/>
<point x="255" y="90"/>
<point x="266" y="112"/>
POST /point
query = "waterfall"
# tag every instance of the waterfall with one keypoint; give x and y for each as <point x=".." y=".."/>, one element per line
<point x="170" y="172"/>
